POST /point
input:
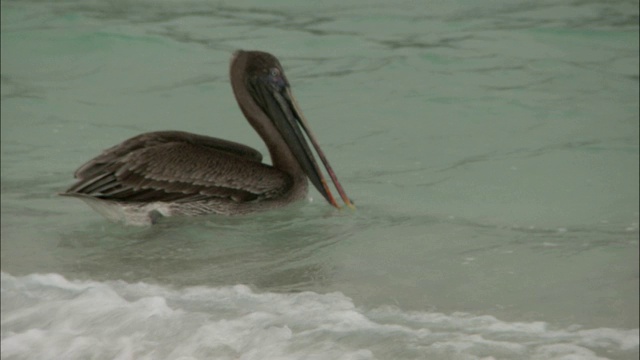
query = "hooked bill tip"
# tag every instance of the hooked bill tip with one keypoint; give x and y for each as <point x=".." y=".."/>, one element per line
<point x="350" y="204"/>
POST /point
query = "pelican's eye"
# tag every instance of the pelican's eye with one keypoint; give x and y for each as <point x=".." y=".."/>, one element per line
<point x="276" y="78"/>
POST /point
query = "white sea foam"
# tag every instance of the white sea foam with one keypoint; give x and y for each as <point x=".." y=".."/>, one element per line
<point x="47" y="316"/>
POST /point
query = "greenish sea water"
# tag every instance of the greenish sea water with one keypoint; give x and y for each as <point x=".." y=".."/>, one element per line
<point x="492" y="149"/>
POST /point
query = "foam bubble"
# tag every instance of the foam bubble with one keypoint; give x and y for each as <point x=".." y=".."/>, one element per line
<point x="48" y="316"/>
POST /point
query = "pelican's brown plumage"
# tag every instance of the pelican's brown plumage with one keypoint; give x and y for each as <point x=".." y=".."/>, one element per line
<point x="169" y="173"/>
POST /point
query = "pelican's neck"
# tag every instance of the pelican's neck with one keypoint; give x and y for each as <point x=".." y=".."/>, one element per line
<point x="281" y="156"/>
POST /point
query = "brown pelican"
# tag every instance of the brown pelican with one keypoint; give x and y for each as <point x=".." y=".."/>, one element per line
<point x="170" y="173"/>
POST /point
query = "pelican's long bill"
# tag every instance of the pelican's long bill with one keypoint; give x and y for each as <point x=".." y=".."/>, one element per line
<point x="305" y="125"/>
<point x="273" y="95"/>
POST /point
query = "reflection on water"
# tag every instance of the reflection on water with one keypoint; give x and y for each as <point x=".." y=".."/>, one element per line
<point x="209" y="250"/>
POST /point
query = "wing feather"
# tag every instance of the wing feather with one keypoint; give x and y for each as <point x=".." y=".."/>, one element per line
<point x="178" y="166"/>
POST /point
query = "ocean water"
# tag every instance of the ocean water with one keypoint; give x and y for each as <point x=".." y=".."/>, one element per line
<point x="492" y="149"/>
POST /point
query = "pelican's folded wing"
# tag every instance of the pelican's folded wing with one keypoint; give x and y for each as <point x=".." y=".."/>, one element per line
<point x="178" y="166"/>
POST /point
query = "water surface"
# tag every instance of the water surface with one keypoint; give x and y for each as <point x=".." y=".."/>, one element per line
<point x="492" y="151"/>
